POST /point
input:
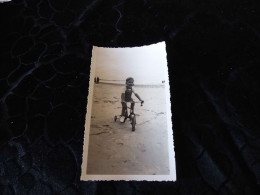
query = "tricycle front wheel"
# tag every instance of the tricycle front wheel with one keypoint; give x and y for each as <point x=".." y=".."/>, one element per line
<point x="133" y="122"/>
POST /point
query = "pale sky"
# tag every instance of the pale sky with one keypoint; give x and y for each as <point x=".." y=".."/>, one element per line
<point x="147" y="64"/>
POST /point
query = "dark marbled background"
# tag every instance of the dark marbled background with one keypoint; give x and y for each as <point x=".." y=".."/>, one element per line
<point x="213" y="52"/>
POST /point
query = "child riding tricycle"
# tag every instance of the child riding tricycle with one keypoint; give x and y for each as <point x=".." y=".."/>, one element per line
<point x="126" y="97"/>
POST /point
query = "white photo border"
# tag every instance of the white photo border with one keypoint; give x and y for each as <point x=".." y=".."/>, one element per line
<point x="172" y="165"/>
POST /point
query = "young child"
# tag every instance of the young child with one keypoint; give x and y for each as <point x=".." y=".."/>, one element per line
<point x="127" y="97"/>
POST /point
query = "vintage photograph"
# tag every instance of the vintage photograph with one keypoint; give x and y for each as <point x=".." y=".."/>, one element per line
<point x="128" y="130"/>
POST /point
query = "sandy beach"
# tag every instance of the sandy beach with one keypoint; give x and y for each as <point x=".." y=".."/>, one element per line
<point x="114" y="149"/>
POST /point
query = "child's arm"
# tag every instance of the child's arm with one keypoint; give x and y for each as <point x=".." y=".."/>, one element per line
<point x="123" y="96"/>
<point x="136" y="95"/>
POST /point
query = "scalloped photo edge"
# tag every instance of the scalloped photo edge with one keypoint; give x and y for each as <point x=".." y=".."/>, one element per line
<point x="116" y="149"/>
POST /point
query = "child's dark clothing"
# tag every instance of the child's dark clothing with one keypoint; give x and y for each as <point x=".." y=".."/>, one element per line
<point x="127" y="97"/>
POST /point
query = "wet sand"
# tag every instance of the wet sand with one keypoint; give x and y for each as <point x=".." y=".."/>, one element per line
<point x="114" y="149"/>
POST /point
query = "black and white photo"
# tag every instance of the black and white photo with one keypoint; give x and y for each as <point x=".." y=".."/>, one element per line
<point x="128" y="131"/>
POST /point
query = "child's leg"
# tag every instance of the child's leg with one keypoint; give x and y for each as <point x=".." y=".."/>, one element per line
<point x="132" y="106"/>
<point x="123" y="108"/>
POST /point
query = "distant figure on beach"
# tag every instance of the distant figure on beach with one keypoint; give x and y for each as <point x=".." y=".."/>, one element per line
<point x="126" y="96"/>
<point x="97" y="79"/>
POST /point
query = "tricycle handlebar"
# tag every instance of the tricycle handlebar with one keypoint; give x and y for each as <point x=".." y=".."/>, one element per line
<point x="142" y="102"/>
